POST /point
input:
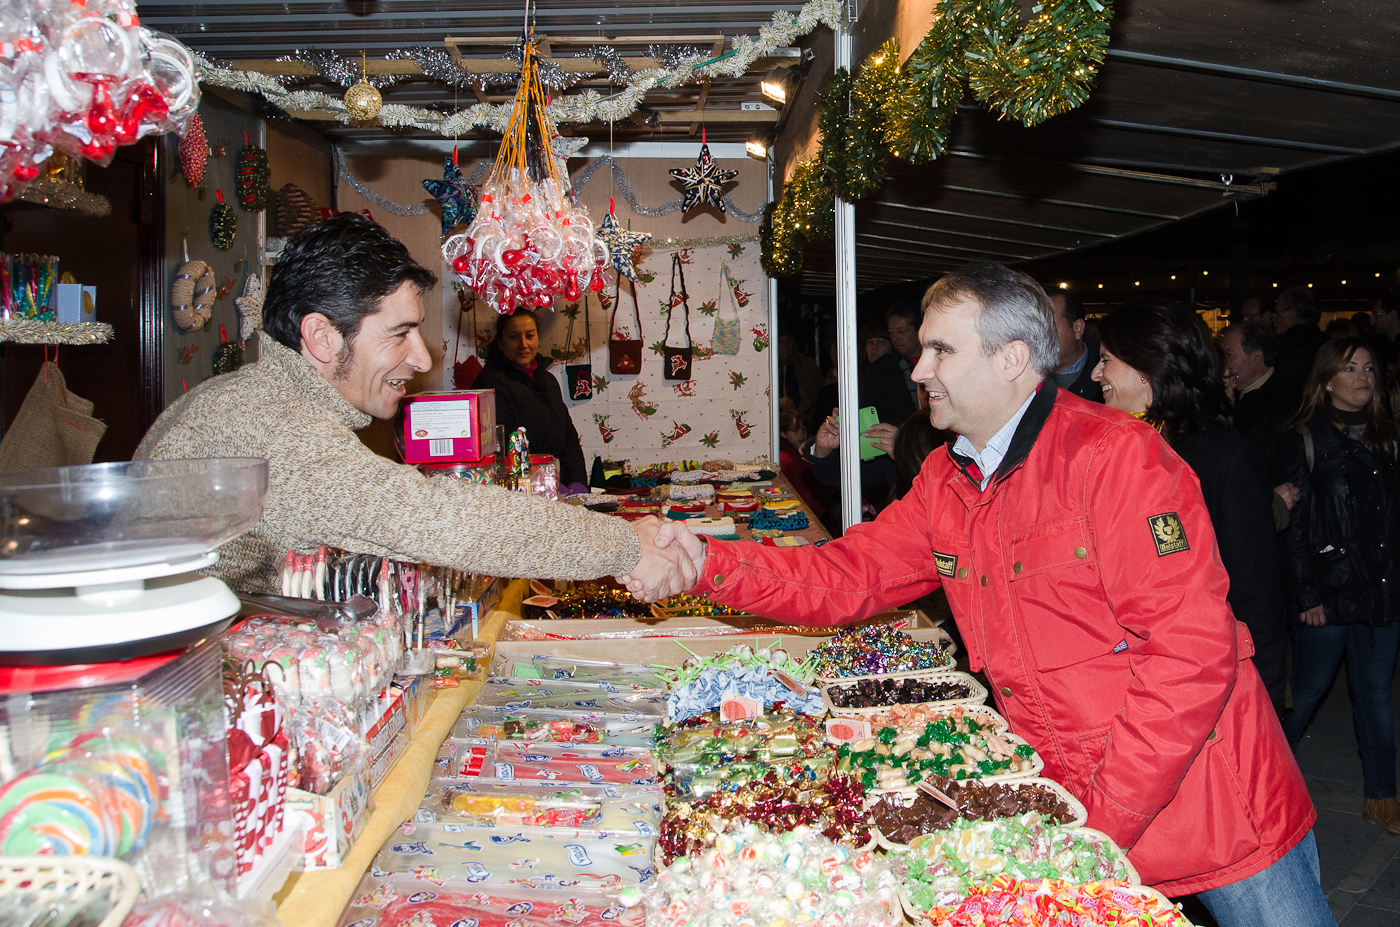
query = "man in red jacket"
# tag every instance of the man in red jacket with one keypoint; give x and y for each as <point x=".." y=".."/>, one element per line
<point x="1079" y="562"/>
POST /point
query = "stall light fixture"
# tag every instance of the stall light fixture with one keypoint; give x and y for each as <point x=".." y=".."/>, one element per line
<point x="1344" y="283"/>
<point x="1063" y="285"/>
<point x="1310" y="286"/>
<point x="778" y="82"/>
<point x="758" y="145"/>
<point x="1137" y="283"/>
<point x="1173" y="276"/>
<point x="1276" y="286"/>
<point x="1205" y="273"/>
<point x="1101" y="286"/>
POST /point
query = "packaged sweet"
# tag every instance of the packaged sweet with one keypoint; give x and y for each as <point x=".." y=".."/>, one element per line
<point x="517" y="668"/>
<point x="726" y="681"/>
<point x="538" y="693"/>
<point x="707" y="741"/>
<point x="1056" y="903"/>
<point x="607" y="810"/>
<point x="532" y="725"/>
<point x="575" y="764"/>
<point x="870" y="650"/>
<point x="965" y="749"/>
<point x="406" y="900"/>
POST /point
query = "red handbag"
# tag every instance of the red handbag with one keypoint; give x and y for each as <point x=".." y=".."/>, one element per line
<point x="464" y="373"/>
<point x="624" y="354"/>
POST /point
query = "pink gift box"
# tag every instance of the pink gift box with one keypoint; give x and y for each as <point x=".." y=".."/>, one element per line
<point x="444" y="427"/>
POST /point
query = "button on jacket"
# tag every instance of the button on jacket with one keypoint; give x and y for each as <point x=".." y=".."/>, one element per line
<point x="1086" y="582"/>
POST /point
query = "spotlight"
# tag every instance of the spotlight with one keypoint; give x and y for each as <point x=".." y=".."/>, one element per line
<point x="758" y="145"/>
<point x="778" y="83"/>
<point x="1064" y="286"/>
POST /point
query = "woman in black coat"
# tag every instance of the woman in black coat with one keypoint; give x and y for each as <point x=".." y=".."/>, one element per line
<point x="528" y="395"/>
<point x="1158" y="362"/>
<point x="1340" y="568"/>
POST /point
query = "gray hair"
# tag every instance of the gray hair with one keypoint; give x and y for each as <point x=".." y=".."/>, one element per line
<point x="1013" y="307"/>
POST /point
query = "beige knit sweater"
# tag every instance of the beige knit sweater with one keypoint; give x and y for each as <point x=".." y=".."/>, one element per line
<point x="326" y="487"/>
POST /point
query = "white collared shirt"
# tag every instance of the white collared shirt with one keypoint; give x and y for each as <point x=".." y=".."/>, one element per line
<point x="991" y="456"/>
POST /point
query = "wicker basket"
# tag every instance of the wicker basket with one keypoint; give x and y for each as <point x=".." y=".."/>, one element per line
<point x="76" y="889"/>
<point x="976" y="694"/>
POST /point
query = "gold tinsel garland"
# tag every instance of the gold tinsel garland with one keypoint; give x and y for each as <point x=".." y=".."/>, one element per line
<point x="1027" y="74"/>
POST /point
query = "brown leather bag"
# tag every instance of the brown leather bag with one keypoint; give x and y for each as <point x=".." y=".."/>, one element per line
<point x="624" y="354"/>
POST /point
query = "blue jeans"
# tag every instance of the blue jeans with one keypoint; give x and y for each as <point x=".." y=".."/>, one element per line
<point x="1287" y="894"/>
<point x="1317" y="652"/>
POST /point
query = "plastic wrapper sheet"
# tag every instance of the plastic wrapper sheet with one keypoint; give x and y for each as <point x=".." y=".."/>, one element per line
<point x="538" y="693"/>
<point x="538" y="808"/>
<point x="539" y="860"/>
<point x="403" y="901"/>
<point x="623" y="676"/>
<point x="533" y="725"/>
<point x="572" y="764"/>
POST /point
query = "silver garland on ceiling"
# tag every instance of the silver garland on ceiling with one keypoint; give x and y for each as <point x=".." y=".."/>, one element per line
<point x="441" y="66"/>
<point x="618" y="69"/>
<point x="343" y="71"/>
<point x="551" y="76"/>
<point x="672" y="57"/>
<point x="650" y="212"/>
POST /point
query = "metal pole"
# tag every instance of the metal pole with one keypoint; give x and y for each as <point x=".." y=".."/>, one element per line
<point x="847" y="340"/>
<point x="774" y="388"/>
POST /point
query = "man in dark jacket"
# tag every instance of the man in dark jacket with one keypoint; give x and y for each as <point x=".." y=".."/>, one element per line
<point x="1078" y="355"/>
<point x="1296" y="315"/>
<point x="1263" y="403"/>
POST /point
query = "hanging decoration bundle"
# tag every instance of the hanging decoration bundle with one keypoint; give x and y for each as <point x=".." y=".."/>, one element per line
<point x="223" y="223"/>
<point x="528" y="242"/>
<point x="253" y="177"/>
<point x="905" y="111"/>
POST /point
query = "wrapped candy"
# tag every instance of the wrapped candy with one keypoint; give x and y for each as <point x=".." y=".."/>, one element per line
<point x="86" y="78"/>
<point x="529" y="242"/>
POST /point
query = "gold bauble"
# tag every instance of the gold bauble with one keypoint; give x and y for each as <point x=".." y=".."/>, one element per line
<point x="363" y="102"/>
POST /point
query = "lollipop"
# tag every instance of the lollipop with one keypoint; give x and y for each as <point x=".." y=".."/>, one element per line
<point x="45" y="813"/>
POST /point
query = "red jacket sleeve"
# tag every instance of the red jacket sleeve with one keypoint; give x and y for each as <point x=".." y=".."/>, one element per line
<point x="1168" y="593"/>
<point x="876" y="565"/>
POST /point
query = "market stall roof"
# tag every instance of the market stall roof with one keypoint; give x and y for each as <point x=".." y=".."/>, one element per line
<point x="1200" y="102"/>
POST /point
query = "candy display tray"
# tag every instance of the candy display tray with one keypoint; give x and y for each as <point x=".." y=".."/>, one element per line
<point x="976" y="694"/>
<point x="988" y="714"/>
<point x="1037" y="766"/>
<point x="1075" y="805"/>
<point x="916" y="917"/>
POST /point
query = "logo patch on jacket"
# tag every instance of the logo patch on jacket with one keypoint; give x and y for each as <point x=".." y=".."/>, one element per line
<point x="1168" y="534"/>
<point x="946" y="563"/>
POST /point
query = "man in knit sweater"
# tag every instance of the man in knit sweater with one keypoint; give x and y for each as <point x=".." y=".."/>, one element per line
<point x="341" y="341"/>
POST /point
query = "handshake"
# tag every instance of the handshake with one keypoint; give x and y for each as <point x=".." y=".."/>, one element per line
<point x="671" y="560"/>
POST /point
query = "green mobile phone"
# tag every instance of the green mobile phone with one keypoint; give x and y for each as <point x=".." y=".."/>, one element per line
<point x="869" y="418"/>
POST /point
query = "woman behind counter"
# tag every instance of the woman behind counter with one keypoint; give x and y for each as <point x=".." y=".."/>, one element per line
<point x="528" y="395"/>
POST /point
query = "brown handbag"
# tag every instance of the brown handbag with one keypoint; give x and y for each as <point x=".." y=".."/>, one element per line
<point x="624" y="354"/>
<point x="678" y="360"/>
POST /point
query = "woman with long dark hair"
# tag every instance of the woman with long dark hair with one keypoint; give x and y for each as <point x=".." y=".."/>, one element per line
<point x="1158" y="362"/>
<point x="1340" y="568"/>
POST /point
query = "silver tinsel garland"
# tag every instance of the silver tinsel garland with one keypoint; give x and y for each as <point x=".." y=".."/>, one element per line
<point x="442" y="67"/>
<point x="343" y="71"/>
<point x="354" y="183"/>
<point x="618" y="70"/>
<point x="675" y="57"/>
<point x="584" y="107"/>
<point x="32" y="331"/>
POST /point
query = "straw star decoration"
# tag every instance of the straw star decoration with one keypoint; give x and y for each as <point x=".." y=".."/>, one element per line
<point x="622" y="244"/>
<point x="704" y="182"/>
<point x="452" y="194"/>
<point x="249" y="308"/>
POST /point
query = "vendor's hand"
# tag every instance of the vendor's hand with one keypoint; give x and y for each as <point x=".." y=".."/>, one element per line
<point x="883" y="435"/>
<point x="828" y="436"/>
<point x="659" y="573"/>
<point x="675" y="535"/>
<point x="1314" y="617"/>
<point x="1288" y="493"/>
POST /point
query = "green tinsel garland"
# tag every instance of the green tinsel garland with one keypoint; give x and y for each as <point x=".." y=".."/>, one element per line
<point x="254" y="178"/>
<point x="1028" y="74"/>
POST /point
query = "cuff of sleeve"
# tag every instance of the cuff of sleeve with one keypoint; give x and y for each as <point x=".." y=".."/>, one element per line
<point x="721" y="567"/>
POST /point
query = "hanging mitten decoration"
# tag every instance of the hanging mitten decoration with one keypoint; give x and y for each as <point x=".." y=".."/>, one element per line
<point x="452" y="194"/>
<point x="250" y="307"/>
<point x="704" y="183"/>
<point x="229" y="356"/>
<point x="194" y="152"/>
<point x="253" y="177"/>
<point x="223" y="223"/>
<point x="621" y="243"/>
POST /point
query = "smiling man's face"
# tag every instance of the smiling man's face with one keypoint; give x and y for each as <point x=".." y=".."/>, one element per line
<point x="384" y="355"/>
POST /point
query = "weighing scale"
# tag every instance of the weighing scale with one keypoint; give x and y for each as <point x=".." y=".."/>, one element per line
<point x="97" y="563"/>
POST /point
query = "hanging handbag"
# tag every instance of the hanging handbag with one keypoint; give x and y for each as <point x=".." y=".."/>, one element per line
<point x="464" y="373"/>
<point x="726" y="337"/>
<point x="624" y="354"/>
<point x="678" y="360"/>
<point x="580" y="376"/>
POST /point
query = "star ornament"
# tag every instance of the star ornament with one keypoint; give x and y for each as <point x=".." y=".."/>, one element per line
<point x="622" y="243"/>
<point x="704" y="183"/>
<point x="452" y="195"/>
<point x="250" y="308"/>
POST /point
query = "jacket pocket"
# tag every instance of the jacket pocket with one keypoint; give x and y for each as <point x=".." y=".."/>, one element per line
<point x="1091" y="748"/>
<point x="1054" y="569"/>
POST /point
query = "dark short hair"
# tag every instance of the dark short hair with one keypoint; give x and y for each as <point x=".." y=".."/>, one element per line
<point x="1301" y="302"/>
<point x="907" y="309"/>
<point x="342" y="269"/>
<point x="1170" y="345"/>
<point x="503" y="320"/>
<point x="1074" y="304"/>
<point x="1256" y="336"/>
<point x="1012" y="307"/>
